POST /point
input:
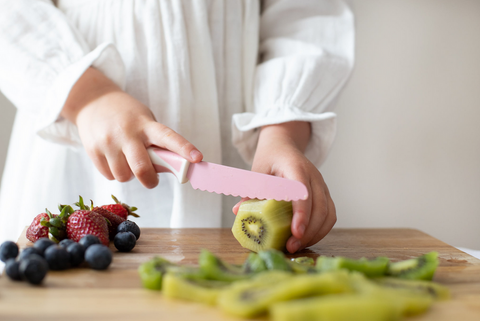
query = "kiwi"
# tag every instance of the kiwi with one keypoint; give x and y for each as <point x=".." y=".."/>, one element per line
<point x="303" y="264"/>
<point x="176" y="285"/>
<point x="275" y="260"/>
<point x="152" y="271"/>
<point x="263" y="224"/>
<point x="419" y="268"/>
<point x="254" y="264"/>
<point x="305" y="260"/>
<point x="406" y="302"/>
<point x="432" y="289"/>
<point x="345" y="307"/>
<point x="214" y="268"/>
<point x="371" y="268"/>
<point x="253" y="297"/>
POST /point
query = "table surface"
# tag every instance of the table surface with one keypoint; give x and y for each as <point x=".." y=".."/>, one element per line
<point x="116" y="293"/>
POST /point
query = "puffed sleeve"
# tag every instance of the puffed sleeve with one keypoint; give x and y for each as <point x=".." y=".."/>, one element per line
<point x="306" y="56"/>
<point x="41" y="57"/>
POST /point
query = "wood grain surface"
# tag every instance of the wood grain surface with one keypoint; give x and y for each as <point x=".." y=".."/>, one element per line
<point x="116" y="294"/>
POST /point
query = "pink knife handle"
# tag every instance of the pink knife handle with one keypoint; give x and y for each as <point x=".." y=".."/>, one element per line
<point x="167" y="161"/>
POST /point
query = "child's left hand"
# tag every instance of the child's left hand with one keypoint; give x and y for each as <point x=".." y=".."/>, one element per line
<point x="280" y="153"/>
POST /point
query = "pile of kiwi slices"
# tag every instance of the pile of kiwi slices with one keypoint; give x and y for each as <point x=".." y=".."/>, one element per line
<point x="270" y="284"/>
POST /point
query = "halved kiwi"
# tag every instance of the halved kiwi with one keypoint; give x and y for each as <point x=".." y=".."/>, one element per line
<point x="374" y="267"/>
<point x="253" y="297"/>
<point x="419" y="268"/>
<point x="203" y="291"/>
<point x="263" y="224"/>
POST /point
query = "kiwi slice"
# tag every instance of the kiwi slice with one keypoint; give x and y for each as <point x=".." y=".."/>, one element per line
<point x="152" y="271"/>
<point x="305" y="260"/>
<point x="419" y="268"/>
<point x="253" y="297"/>
<point x="371" y="268"/>
<point x="303" y="264"/>
<point x="275" y="260"/>
<point x="254" y="264"/>
<point x="406" y="302"/>
<point x="344" y="307"/>
<point x="263" y="224"/>
<point x="176" y="285"/>
<point x="432" y="289"/>
<point x="214" y="268"/>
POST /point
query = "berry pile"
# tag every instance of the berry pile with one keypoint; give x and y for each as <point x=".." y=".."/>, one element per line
<point x="66" y="240"/>
<point x="33" y="263"/>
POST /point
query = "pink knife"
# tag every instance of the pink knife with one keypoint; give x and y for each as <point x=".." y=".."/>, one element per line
<point x="226" y="180"/>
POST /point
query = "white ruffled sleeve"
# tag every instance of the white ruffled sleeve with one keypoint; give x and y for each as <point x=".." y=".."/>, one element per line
<point x="306" y="57"/>
<point x="42" y="56"/>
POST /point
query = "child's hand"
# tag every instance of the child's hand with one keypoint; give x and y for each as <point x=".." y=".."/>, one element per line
<point x="116" y="130"/>
<point x="280" y="153"/>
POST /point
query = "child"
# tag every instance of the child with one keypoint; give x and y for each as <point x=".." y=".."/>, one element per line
<point x="231" y="82"/>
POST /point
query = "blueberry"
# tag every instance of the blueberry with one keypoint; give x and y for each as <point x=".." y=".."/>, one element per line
<point x="29" y="251"/>
<point x="33" y="268"/>
<point x="11" y="269"/>
<point x="88" y="240"/>
<point x="125" y="241"/>
<point x="98" y="256"/>
<point x="66" y="242"/>
<point x="57" y="258"/>
<point x="129" y="226"/>
<point x="77" y="253"/>
<point x="8" y="250"/>
<point x="43" y="243"/>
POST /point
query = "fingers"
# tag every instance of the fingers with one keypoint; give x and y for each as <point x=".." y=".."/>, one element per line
<point x="140" y="165"/>
<point x="165" y="137"/>
<point x="321" y="221"/>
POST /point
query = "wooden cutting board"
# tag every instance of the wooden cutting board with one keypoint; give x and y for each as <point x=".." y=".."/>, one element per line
<point x="116" y="294"/>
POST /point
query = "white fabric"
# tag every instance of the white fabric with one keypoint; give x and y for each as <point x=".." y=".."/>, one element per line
<point x="214" y="71"/>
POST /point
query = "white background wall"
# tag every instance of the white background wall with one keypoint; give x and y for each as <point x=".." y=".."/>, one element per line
<point x="407" y="152"/>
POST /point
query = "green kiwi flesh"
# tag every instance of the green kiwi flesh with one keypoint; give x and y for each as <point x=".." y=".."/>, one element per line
<point x="304" y="260"/>
<point x="151" y="272"/>
<point x="419" y="268"/>
<point x="253" y="297"/>
<point x="214" y="268"/>
<point x="371" y="268"/>
<point x="203" y="291"/>
<point x="345" y="307"/>
<point x="406" y="302"/>
<point x="275" y="260"/>
<point x="432" y="289"/>
<point x="254" y="264"/>
<point x="263" y="224"/>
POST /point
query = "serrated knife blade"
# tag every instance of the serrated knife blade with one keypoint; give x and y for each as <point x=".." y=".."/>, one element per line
<point x="227" y="180"/>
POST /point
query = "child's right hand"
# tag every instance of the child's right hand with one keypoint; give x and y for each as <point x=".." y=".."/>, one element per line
<point x="116" y="130"/>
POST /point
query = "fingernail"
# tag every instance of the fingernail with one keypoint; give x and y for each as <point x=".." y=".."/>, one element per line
<point x="196" y="155"/>
<point x="301" y="229"/>
<point x="296" y="245"/>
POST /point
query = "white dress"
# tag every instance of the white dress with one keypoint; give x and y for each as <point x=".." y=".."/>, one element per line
<point x="214" y="71"/>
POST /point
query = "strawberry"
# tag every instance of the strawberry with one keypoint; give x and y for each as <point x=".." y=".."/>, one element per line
<point x="36" y="230"/>
<point x="121" y="209"/>
<point x="112" y="218"/>
<point x="83" y="222"/>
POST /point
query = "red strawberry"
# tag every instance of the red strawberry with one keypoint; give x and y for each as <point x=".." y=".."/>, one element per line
<point x="121" y="209"/>
<point x="83" y="222"/>
<point x="113" y="219"/>
<point x="36" y="230"/>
